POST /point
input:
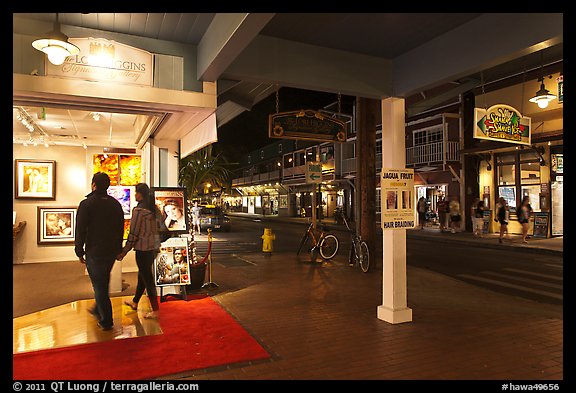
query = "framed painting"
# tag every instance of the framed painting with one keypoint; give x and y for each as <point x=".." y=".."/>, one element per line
<point x="126" y="195"/>
<point x="107" y="163"/>
<point x="56" y="225"/>
<point x="172" y="265"/>
<point x="171" y="201"/>
<point x="130" y="169"/>
<point x="35" y="179"/>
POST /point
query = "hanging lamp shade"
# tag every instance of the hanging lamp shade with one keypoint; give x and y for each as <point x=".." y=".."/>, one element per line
<point x="542" y="97"/>
<point x="56" y="45"/>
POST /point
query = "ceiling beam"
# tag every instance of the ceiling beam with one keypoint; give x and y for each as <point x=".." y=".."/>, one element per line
<point x="433" y="102"/>
<point x="225" y="38"/>
<point x="472" y="47"/>
<point x="293" y="64"/>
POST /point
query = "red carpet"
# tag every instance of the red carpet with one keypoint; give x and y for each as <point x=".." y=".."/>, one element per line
<point x="197" y="334"/>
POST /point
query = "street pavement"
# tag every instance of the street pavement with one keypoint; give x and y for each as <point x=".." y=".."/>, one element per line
<point x="319" y="321"/>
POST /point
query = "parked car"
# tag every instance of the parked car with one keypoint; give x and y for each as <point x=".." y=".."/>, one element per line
<point x="214" y="218"/>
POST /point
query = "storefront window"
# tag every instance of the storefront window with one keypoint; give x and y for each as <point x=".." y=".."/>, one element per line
<point x="327" y="153"/>
<point x="299" y="158"/>
<point x="506" y="170"/>
<point x="509" y="194"/>
<point x="532" y="192"/>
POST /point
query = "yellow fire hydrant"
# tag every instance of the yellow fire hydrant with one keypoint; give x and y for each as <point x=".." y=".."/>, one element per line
<point x="267" y="238"/>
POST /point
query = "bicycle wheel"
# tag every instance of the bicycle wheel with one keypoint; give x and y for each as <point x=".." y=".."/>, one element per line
<point x="352" y="254"/>
<point x="302" y="242"/>
<point x="329" y="246"/>
<point x="364" y="256"/>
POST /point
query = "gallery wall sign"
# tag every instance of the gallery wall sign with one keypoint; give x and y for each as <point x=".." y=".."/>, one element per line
<point x="102" y="60"/>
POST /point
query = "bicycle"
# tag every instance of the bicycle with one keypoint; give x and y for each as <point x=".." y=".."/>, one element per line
<point x="326" y="243"/>
<point x="359" y="253"/>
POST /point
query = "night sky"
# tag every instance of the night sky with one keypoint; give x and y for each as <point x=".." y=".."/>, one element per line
<point x="249" y="130"/>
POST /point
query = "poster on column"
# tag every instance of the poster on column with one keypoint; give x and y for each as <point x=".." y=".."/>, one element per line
<point x="397" y="187"/>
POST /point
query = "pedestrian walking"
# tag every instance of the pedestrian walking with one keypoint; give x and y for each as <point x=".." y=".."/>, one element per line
<point x="478" y="217"/>
<point x="421" y="208"/>
<point x="98" y="239"/>
<point x="524" y="211"/>
<point x="454" y="212"/>
<point x="502" y="217"/>
<point x="442" y="206"/>
<point x="145" y="240"/>
<point x="196" y="218"/>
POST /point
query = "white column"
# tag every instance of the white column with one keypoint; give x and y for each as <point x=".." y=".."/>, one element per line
<point x="394" y="289"/>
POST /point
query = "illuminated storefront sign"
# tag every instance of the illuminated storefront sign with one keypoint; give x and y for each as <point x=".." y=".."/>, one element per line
<point x="101" y="60"/>
<point x="502" y="123"/>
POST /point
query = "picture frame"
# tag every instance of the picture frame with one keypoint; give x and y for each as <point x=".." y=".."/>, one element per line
<point x="56" y="224"/>
<point x="126" y="195"/>
<point x="172" y="263"/>
<point x="35" y="179"/>
<point x="172" y="203"/>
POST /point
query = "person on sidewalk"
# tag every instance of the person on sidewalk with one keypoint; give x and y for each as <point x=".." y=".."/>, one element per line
<point x="442" y="206"/>
<point x="478" y="217"/>
<point x="145" y="240"/>
<point x="196" y="218"/>
<point x="502" y="217"/>
<point x="98" y="239"/>
<point x="421" y="207"/>
<point x="524" y="211"/>
<point x="454" y="212"/>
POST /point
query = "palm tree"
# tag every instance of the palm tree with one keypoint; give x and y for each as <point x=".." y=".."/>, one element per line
<point x="202" y="167"/>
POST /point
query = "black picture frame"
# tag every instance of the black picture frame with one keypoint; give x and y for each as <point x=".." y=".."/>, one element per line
<point x="169" y="200"/>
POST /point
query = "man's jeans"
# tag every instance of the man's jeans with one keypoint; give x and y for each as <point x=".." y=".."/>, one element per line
<point x="99" y="269"/>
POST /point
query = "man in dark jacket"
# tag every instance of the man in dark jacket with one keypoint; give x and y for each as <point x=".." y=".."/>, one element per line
<point x="99" y="233"/>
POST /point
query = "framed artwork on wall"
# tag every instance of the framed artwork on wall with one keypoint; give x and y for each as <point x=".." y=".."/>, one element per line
<point x="35" y="179"/>
<point x="172" y="203"/>
<point x="126" y="195"/>
<point x="56" y="225"/>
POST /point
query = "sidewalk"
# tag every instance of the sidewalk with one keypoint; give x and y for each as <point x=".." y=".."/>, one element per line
<point x="553" y="245"/>
<point x="319" y="320"/>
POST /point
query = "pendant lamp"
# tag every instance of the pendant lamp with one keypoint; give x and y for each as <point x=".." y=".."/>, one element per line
<point x="56" y="45"/>
<point x="543" y="96"/>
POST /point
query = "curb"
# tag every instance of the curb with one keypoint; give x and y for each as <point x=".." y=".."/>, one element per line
<point x="424" y="236"/>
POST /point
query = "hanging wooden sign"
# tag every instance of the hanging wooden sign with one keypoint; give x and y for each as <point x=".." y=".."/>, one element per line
<point x="502" y="123"/>
<point x="306" y="124"/>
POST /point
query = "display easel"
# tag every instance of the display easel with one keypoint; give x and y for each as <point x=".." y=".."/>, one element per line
<point x="181" y="293"/>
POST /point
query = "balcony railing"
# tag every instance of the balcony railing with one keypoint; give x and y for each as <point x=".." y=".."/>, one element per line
<point x="256" y="178"/>
<point x="429" y="154"/>
<point x="432" y="153"/>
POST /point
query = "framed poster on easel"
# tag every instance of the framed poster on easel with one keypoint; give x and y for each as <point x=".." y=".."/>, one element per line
<point x="172" y="202"/>
<point x="172" y="265"/>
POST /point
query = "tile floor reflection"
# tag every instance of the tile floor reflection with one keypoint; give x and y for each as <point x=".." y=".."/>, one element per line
<point x="72" y="324"/>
